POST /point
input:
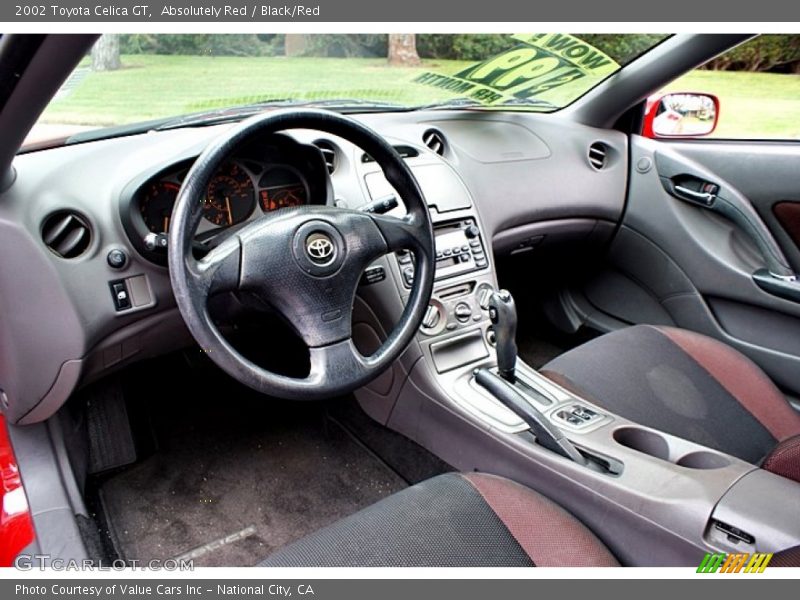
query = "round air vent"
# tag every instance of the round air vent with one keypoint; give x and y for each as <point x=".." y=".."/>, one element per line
<point x="328" y="153"/>
<point x="434" y="140"/>
<point x="66" y="233"/>
<point x="598" y="155"/>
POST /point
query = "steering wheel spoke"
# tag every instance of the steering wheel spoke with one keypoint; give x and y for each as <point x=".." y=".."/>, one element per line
<point x="400" y="234"/>
<point x="333" y="365"/>
<point x="219" y="270"/>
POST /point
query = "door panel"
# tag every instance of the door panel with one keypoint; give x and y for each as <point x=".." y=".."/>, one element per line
<point x="696" y="264"/>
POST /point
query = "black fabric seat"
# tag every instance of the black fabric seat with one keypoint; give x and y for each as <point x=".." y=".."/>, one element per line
<point x="689" y="385"/>
<point x="453" y="520"/>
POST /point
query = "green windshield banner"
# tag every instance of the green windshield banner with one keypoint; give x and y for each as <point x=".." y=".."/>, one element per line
<point x="538" y="67"/>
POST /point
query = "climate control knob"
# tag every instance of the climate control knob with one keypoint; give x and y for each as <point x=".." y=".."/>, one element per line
<point x="462" y="312"/>
<point x="432" y="317"/>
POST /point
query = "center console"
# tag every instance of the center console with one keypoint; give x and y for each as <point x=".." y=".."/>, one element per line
<point x="653" y="498"/>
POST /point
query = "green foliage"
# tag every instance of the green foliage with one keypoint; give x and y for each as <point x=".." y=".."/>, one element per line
<point x="622" y="48"/>
<point x="474" y="46"/>
<point x="480" y="46"/>
<point x="202" y="44"/>
<point x="774" y="53"/>
<point x="361" y="45"/>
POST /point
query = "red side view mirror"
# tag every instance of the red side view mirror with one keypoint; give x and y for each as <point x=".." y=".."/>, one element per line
<point x="686" y="114"/>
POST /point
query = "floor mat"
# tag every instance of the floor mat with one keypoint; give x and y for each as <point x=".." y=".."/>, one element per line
<point x="230" y="484"/>
<point x="409" y="460"/>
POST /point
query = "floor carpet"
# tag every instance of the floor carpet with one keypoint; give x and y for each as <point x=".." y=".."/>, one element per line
<point x="234" y="478"/>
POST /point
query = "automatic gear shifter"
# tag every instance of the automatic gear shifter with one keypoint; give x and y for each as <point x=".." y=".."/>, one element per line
<point x="503" y="314"/>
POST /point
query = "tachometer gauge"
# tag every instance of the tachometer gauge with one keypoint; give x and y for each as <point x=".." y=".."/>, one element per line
<point x="231" y="196"/>
<point x="156" y="205"/>
<point x="280" y="188"/>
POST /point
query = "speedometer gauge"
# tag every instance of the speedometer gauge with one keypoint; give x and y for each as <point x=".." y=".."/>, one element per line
<point x="281" y="188"/>
<point x="231" y="196"/>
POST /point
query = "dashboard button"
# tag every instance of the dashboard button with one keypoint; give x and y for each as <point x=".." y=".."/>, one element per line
<point x="472" y="231"/>
<point x="408" y="275"/>
<point x="119" y="293"/>
<point x="116" y="258"/>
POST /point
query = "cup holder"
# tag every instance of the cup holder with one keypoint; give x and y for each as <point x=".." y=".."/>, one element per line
<point x="703" y="460"/>
<point x="656" y="445"/>
<point x="644" y="441"/>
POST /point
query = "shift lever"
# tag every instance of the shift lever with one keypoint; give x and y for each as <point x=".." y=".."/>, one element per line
<point x="503" y="314"/>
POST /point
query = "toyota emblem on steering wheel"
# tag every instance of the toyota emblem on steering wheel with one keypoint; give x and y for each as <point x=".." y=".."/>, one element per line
<point x="320" y="248"/>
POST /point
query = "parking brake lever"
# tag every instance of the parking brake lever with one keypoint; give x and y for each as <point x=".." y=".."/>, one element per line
<point x="547" y="435"/>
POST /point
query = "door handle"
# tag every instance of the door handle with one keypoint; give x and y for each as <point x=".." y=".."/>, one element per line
<point x="705" y="199"/>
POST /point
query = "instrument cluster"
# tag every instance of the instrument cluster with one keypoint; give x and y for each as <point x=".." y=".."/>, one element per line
<point x="266" y="176"/>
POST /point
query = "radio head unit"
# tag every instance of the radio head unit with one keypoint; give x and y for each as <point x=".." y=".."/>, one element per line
<point x="459" y="249"/>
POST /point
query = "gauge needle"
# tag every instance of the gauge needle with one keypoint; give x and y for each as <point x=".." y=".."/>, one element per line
<point x="166" y="224"/>
<point x="230" y="212"/>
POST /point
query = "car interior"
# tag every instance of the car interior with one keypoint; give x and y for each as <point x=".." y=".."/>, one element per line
<point x="437" y="337"/>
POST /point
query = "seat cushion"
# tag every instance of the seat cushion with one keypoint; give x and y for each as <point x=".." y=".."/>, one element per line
<point x="685" y="384"/>
<point x="453" y="520"/>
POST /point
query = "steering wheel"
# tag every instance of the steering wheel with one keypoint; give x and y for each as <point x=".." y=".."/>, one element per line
<point x="306" y="262"/>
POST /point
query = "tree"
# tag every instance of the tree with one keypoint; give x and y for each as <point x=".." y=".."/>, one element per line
<point x="403" y="50"/>
<point x="105" y="53"/>
<point x="295" y="44"/>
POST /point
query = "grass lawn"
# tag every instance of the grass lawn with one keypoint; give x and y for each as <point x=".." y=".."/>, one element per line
<point x="150" y="86"/>
<point x="753" y="105"/>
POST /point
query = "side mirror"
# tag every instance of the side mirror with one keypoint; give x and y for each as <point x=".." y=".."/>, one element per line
<point x="680" y="115"/>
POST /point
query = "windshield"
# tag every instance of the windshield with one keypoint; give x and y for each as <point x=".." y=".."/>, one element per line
<point x="143" y="77"/>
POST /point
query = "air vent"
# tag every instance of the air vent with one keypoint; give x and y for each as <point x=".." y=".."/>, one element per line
<point x="434" y="140"/>
<point x="403" y="151"/>
<point x="66" y="233"/>
<point x="328" y="153"/>
<point x="598" y="155"/>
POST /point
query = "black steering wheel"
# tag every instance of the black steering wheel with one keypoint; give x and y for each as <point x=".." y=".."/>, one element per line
<point x="306" y="262"/>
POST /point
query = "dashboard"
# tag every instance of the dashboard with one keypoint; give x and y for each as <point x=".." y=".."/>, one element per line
<point x="71" y="208"/>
